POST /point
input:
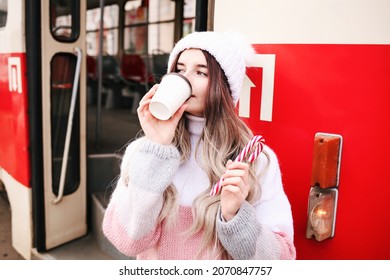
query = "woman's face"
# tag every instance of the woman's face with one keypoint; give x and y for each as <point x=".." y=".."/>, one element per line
<point x="193" y="65"/>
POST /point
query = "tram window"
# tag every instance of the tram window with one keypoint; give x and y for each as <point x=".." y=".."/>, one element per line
<point x="65" y="20"/>
<point x="62" y="74"/>
<point x="110" y="30"/>
<point x="161" y="37"/>
<point x="3" y="12"/>
<point x="136" y="27"/>
<point x="189" y="8"/>
<point x="161" y="10"/>
<point x="161" y="27"/>
<point x="149" y="26"/>
<point x="135" y="39"/>
<point x="136" y="12"/>
<point x="189" y="17"/>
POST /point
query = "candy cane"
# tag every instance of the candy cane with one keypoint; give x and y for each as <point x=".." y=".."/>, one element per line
<point x="257" y="142"/>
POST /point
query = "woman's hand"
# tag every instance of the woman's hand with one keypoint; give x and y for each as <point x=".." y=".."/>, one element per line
<point x="235" y="188"/>
<point x="158" y="131"/>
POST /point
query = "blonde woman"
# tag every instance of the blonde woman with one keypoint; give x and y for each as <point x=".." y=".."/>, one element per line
<point x="161" y="207"/>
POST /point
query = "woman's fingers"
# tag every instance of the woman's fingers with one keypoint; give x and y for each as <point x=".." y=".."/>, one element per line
<point x="150" y="93"/>
<point x="235" y="181"/>
<point x="145" y="101"/>
<point x="156" y="130"/>
<point x="234" y="173"/>
<point x="234" y="190"/>
<point x="236" y="169"/>
<point x="235" y="187"/>
<point x="237" y="165"/>
<point x="236" y="178"/>
<point x="143" y="105"/>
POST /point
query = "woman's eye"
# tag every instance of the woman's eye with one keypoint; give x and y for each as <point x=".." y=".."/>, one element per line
<point x="202" y="73"/>
<point x="179" y="70"/>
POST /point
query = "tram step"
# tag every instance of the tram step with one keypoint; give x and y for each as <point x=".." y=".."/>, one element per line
<point x="102" y="171"/>
<point x="99" y="204"/>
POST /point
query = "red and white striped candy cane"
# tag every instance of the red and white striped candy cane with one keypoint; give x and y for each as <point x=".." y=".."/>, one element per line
<point x="257" y="142"/>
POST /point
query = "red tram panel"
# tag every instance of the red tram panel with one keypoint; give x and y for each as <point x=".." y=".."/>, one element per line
<point x="341" y="89"/>
<point x="13" y="117"/>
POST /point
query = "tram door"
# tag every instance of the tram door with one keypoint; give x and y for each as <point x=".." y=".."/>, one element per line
<point x="63" y="120"/>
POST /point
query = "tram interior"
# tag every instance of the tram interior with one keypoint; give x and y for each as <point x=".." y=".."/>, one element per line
<point x="123" y="62"/>
<point x="123" y="85"/>
<point x="133" y="50"/>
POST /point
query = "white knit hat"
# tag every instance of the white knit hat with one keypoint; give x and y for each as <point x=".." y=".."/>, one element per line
<point x="230" y="50"/>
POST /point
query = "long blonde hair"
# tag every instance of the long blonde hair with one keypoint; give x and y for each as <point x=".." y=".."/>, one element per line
<point x="223" y="136"/>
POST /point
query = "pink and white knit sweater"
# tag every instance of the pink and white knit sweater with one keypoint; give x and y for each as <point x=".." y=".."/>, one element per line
<point x="263" y="230"/>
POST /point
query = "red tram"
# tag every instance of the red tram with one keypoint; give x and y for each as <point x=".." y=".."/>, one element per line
<point x="318" y="91"/>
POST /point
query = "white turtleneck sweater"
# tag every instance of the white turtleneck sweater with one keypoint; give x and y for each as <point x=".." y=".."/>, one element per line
<point x="263" y="230"/>
<point x="191" y="180"/>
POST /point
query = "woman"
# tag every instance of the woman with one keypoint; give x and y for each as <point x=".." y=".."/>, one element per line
<point x="162" y="208"/>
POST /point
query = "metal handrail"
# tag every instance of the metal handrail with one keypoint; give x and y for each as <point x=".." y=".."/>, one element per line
<point x="69" y="127"/>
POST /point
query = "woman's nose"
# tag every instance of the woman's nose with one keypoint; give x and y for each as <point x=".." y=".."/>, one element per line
<point x="187" y="75"/>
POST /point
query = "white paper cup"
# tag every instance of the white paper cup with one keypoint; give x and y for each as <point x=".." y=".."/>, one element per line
<point x="172" y="92"/>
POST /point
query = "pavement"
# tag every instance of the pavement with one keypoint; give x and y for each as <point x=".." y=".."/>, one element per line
<point x="7" y="252"/>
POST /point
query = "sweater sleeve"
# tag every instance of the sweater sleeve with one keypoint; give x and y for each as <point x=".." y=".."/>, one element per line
<point x="264" y="229"/>
<point x="130" y="220"/>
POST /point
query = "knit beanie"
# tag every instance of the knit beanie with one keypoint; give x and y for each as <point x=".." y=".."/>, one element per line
<point x="230" y="50"/>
